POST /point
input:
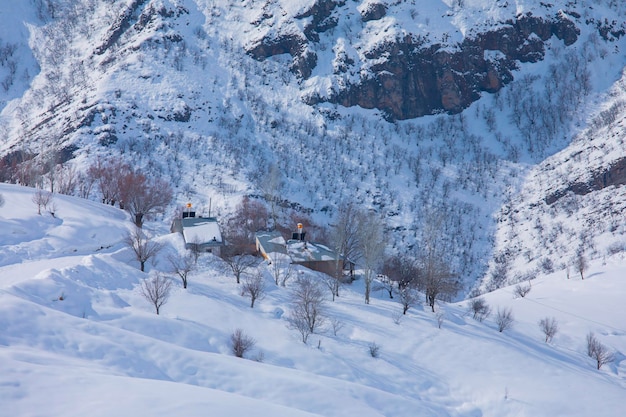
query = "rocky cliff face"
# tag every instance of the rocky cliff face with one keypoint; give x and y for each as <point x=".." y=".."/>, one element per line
<point x="612" y="175"/>
<point x="416" y="80"/>
<point x="417" y="77"/>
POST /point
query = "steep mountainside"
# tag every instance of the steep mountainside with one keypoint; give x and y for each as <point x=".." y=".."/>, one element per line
<point x="571" y="207"/>
<point x="214" y="94"/>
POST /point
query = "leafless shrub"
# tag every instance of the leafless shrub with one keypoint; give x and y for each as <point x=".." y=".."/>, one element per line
<point x="142" y="196"/>
<point x="580" y="264"/>
<point x="182" y="266"/>
<point x="374" y="349"/>
<point x="142" y="246"/>
<point x="396" y="316"/>
<point x="281" y="268"/>
<point x="479" y="309"/>
<point x="240" y="343"/>
<point x="336" y="325"/>
<point x="195" y="248"/>
<point x="549" y="327"/>
<point x="42" y="198"/>
<point x="238" y="263"/>
<point x="598" y="351"/>
<point x="253" y="286"/>
<point x="440" y="316"/>
<point x="504" y="319"/>
<point x="307" y="307"/>
<point x="156" y="290"/>
<point x="521" y="290"/>
<point x="546" y="265"/>
<point x="408" y="297"/>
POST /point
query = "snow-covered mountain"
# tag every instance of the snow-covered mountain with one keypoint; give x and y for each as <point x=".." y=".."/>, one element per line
<point x="213" y="95"/>
<point x="79" y="339"/>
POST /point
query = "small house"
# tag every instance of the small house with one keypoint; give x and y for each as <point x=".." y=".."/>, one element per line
<point x="200" y="233"/>
<point x="314" y="256"/>
<point x="311" y="255"/>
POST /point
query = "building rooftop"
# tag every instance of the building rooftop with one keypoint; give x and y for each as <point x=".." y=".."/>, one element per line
<point x="272" y="242"/>
<point x="201" y="230"/>
<point x="302" y="251"/>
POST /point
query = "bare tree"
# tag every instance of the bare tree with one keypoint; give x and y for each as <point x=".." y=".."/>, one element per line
<point x="42" y="198"/>
<point x="156" y="290"/>
<point x="549" y="327"/>
<point x="195" y="248"/>
<point x="307" y="307"/>
<point x="237" y="263"/>
<point x="521" y="291"/>
<point x="67" y="179"/>
<point x="240" y="343"/>
<point x="371" y="248"/>
<point x="435" y="278"/>
<point x="141" y="196"/>
<point x="408" y="297"/>
<point x="336" y="325"/>
<point x="440" y="316"/>
<point x="334" y="284"/>
<point x="182" y="266"/>
<point x="580" y="263"/>
<point x="142" y="246"/>
<point x="504" y="319"/>
<point x="400" y="270"/>
<point x="345" y="241"/>
<point x="50" y="168"/>
<point x="254" y="287"/>
<point x="479" y="309"/>
<point x="598" y="351"/>
<point x="271" y="187"/>
<point x="107" y="174"/>
<point x="1" y="200"/>
<point x="281" y="268"/>
<point x="386" y="283"/>
<point x="84" y="185"/>
<point x="250" y="217"/>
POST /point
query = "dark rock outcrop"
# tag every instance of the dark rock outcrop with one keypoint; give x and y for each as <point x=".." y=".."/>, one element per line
<point x="121" y="25"/>
<point x="418" y="79"/>
<point x="374" y="11"/>
<point x="321" y="18"/>
<point x="613" y="175"/>
<point x="295" y="44"/>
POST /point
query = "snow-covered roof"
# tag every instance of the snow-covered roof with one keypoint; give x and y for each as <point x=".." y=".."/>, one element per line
<point x="271" y="242"/>
<point x="201" y="230"/>
<point x="298" y="250"/>
<point x="302" y="251"/>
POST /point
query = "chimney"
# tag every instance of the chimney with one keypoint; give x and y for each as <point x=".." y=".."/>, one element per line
<point x="188" y="212"/>
<point x="299" y="234"/>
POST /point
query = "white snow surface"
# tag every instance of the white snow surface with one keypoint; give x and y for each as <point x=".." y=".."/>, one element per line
<point x="77" y="338"/>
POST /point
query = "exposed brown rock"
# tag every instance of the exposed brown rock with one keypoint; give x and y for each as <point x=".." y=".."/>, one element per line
<point x="613" y="175"/>
<point x="417" y="80"/>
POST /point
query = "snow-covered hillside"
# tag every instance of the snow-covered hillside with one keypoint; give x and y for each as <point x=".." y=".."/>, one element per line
<point x="77" y="337"/>
<point x="173" y="87"/>
<point x="571" y="205"/>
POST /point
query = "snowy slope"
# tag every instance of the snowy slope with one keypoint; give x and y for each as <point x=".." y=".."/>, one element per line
<point x="169" y="86"/>
<point x="570" y="205"/>
<point x="77" y="338"/>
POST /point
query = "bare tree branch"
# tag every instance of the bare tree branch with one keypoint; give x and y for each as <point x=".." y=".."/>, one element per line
<point x="142" y="246"/>
<point x="156" y="290"/>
